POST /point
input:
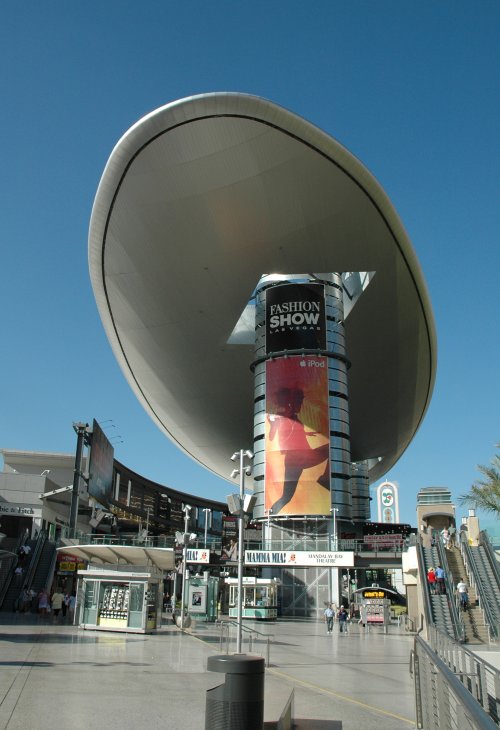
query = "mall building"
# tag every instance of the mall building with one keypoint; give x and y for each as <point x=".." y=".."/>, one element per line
<point x="261" y="295"/>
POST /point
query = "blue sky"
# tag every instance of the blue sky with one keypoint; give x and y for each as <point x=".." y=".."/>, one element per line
<point x="410" y="88"/>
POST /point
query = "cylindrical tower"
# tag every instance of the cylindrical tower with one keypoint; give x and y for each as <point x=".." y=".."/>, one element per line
<point x="360" y="490"/>
<point x="302" y="464"/>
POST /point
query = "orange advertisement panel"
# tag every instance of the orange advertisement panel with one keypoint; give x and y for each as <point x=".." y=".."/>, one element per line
<point x="297" y="436"/>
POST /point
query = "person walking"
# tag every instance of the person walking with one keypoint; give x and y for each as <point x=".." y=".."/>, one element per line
<point x="43" y="602"/>
<point x="463" y="594"/>
<point x="431" y="579"/>
<point x="440" y="586"/>
<point x="445" y="537"/>
<point x="57" y="603"/>
<point x="71" y="607"/>
<point x="363" y="616"/>
<point x="328" y="613"/>
<point x="343" y="620"/>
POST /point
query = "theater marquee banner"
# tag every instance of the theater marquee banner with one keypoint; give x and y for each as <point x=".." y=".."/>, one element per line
<point x="197" y="556"/>
<point x="295" y="317"/>
<point x="297" y="436"/>
<point x="299" y="558"/>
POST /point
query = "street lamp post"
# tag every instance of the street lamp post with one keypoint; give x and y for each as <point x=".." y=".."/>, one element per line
<point x="207" y="511"/>
<point x="269" y="544"/>
<point x="186" y="509"/>
<point x="334" y="572"/>
<point x="241" y="455"/>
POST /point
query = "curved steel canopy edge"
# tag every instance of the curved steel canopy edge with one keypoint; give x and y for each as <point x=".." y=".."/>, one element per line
<point x="197" y="201"/>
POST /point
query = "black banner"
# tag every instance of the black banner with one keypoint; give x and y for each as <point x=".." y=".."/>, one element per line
<point x="101" y="465"/>
<point x="295" y="317"/>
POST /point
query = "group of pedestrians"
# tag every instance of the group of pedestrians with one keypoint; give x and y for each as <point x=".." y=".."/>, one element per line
<point x="44" y="604"/>
<point x="342" y="618"/>
<point x="435" y="579"/>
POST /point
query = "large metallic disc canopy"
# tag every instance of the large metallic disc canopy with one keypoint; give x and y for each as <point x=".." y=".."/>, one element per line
<point x="198" y="200"/>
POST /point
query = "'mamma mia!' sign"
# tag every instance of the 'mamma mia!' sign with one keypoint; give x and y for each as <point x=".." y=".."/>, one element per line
<point x="197" y="556"/>
<point x="299" y="558"/>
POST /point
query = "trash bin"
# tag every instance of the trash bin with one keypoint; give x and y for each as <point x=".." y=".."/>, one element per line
<point x="238" y="704"/>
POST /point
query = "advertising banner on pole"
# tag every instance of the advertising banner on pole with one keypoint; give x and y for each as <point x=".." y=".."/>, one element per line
<point x="295" y="317"/>
<point x="297" y="436"/>
<point x="101" y="465"/>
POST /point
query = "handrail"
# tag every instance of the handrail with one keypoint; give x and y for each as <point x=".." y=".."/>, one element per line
<point x="10" y="572"/>
<point x="428" y="613"/>
<point x="50" y="574"/>
<point x="484" y="541"/>
<point x="458" y="624"/>
<point x="476" y="716"/>
<point x="42" y="537"/>
<point x="227" y="623"/>
<point x="471" y="567"/>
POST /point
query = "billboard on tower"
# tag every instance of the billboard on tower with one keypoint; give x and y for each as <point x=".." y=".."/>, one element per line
<point x="297" y="476"/>
<point x="295" y="317"/>
<point x="388" y="502"/>
<point x="100" y="465"/>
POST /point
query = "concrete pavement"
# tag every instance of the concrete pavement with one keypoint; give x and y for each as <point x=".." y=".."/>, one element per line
<point x="61" y="675"/>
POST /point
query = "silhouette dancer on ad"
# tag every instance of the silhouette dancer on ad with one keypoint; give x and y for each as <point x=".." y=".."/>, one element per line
<point x="293" y="444"/>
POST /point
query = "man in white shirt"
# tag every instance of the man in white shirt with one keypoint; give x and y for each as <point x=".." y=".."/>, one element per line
<point x="463" y="594"/>
<point x="329" y="619"/>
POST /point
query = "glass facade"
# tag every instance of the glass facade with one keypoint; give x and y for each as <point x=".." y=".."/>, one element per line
<point x="138" y="501"/>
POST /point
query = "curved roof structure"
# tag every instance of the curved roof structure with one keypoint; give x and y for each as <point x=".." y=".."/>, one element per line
<point x="198" y="200"/>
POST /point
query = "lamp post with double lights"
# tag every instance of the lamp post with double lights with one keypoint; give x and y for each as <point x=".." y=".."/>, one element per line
<point x="240" y="506"/>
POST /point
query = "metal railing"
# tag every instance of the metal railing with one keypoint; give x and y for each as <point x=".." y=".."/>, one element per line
<point x="456" y="618"/>
<point x="42" y="538"/>
<point x="422" y="571"/>
<point x="484" y="541"/>
<point x="454" y="689"/>
<point x="13" y="557"/>
<point x="215" y="544"/>
<point x="250" y="634"/>
<point x="484" y="604"/>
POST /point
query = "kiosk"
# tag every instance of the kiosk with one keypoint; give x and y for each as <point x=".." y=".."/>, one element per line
<point x="260" y="597"/>
<point x="122" y="588"/>
<point x="118" y="598"/>
<point x="375" y="604"/>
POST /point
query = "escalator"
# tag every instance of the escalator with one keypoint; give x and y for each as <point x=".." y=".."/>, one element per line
<point x="440" y="609"/>
<point x="484" y="575"/>
<point x="38" y="569"/>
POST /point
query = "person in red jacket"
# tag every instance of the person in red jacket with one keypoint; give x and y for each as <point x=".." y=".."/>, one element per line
<point x="431" y="579"/>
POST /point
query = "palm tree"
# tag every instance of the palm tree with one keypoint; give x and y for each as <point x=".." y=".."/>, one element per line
<point x="485" y="493"/>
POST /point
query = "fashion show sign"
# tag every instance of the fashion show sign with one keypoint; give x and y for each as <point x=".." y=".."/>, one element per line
<point x="295" y="317"/>
<point x="300" y="558"/>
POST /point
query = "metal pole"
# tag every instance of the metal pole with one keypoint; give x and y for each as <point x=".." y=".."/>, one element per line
<point x="334" y="572"/>
<point x="187" y="510"/>
<point x="240" y="551"/>
<point x="207" y="511"/>
<point x="80" y="429"/>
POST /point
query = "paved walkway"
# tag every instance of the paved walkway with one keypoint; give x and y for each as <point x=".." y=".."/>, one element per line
<point x="63" y="676"/>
